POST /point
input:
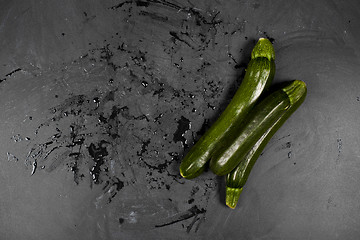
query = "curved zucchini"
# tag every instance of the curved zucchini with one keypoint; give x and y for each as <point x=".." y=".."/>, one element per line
<point x="259" y="75"/>
<point x="237" y="178"/>
<point x="227" y="156"/>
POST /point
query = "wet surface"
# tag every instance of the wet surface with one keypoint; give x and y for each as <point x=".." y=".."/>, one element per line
<point x="101" y="100"/>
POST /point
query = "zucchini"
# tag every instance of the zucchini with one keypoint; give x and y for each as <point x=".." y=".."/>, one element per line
<point x="237" y="178"/>
<point x="259" y="75"/>
<point x="265" y="114"/>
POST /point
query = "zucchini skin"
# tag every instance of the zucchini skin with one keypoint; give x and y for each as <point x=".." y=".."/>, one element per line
<point x="258" y="77"/>
<point x="237" y="178"/>
<point x="261" y="118"/>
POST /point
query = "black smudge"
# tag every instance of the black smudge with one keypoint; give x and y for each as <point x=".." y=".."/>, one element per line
<point x="183" y="126"/>
<point x="98" y="152"/>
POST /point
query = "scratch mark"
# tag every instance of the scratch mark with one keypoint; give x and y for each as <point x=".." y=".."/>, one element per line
<point x="12" y="157"/>
<point x="12" y="72"/>
<point x="176" y="37"/>
<point x="339" y="147"/>
<point x="193" y="211"/>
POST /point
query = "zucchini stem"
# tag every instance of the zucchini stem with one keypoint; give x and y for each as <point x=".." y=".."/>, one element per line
<point x="295" y="91"/>
<point x="263" y="48"/>
<point x="232" y="196"/>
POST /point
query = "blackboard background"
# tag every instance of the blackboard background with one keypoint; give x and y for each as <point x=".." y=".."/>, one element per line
<point x="101" y="99"/>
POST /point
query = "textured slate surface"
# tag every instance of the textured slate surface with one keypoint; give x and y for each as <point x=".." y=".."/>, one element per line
<point x="101" y="99"/>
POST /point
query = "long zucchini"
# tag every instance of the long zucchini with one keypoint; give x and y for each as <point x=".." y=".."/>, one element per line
<point x="259" y="75"/>
<point x="265" y="114"/>
<point x="237" y="178"/>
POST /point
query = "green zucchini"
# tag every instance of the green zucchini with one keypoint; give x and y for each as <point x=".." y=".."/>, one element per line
<point x="259" y="75"/>
<point x="237" y="178"/>
<point x="227" y="156"/>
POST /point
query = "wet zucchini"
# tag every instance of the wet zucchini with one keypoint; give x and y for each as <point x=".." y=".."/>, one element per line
<point x="265" y="114"/>
<point x="259" y="75"/>
<point x="237" y="178"/>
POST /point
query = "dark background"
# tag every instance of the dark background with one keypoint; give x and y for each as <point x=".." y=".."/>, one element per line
<point x="101" y="99"/>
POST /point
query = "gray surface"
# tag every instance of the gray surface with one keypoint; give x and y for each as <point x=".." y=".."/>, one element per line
<point x="106" y="97"/>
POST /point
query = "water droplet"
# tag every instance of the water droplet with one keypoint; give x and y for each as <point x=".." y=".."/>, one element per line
<point x="144" y="83"/>
<point x="102" y="119"/>
<point x="34" y="166"/>
<point x="177" y="66"/>
<point x="17" y="138"/>
<point x="211" y="106"/>
<point x="132" y="217"/>
<point x="96" y="101"/>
